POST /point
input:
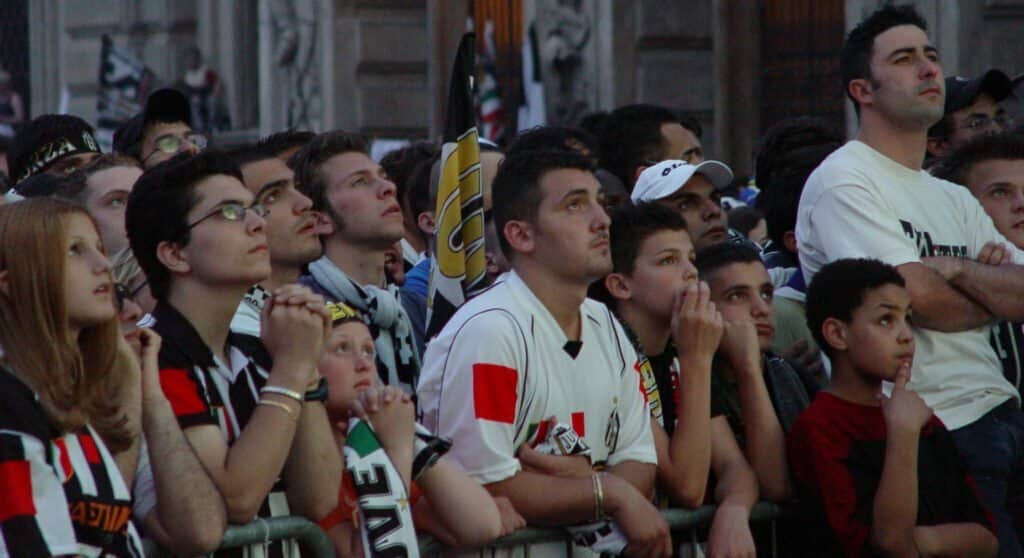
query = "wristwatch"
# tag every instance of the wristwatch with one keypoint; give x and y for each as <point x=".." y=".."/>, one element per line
<point x="319" y="393"/>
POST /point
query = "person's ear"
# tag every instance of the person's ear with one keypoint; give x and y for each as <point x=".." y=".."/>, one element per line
<point x="425" y="222"/>
<point x="618" y="286"/>
<point x="520" y="236"/>
<point x="5" y="284"/>
<point x="835" y="333"/>
<point x="861" y="91"/>
<point x="171" y="255"/>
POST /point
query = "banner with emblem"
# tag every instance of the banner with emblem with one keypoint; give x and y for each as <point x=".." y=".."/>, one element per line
<point x="124" y="84"/>
<point x="457" y="271"/>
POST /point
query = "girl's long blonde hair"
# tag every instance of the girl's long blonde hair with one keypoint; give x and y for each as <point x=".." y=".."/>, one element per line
<point x="78" y="381"/>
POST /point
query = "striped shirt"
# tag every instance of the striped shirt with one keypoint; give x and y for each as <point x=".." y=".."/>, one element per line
<point x="59" y="494"/>
<point x="203" y="390"/>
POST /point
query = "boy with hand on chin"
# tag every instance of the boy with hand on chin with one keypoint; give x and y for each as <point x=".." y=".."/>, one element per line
<point x="881" y="471"/>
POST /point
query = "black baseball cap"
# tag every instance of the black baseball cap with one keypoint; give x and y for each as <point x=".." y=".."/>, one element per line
<point x="163" y="105"/>
<point x="961" y="92"/>
<point x="46" y="139"/>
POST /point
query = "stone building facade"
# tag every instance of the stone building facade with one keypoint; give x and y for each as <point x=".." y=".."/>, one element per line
<point x="381" y="66"/>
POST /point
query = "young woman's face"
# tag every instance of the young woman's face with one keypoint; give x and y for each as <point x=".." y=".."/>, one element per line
<point x="88" y="287"/>
<point x="348" y="364"/>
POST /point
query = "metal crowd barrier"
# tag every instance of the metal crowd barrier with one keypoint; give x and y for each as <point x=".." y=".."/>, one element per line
<point x="319" y="546"/>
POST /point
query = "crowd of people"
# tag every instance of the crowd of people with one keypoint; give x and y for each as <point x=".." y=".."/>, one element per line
<point x="196" y="337"/>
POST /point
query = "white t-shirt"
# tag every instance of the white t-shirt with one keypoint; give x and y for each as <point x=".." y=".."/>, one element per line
<point x="499" y="369"/>
<point x="859" y="203"/>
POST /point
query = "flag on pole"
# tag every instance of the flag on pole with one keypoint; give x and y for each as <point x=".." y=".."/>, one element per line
<point x="492" y="114"/>
<point x="124" y="84"/>
<point x="457" y="271"/>
<point x="531" y="111"/>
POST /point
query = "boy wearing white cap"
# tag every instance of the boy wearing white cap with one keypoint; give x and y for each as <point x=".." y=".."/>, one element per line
<point x="694" y="191"/>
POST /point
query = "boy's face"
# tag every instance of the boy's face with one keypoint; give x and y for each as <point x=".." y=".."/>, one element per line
<point x="348" y="364"/>
<point x="663" y="267"/>
<point x="743" y="292"/>
<point x="999" y="186"/>
<point x="291" y="224"/>
<point x="878" y="339"/>
<point x="700" y="204"/>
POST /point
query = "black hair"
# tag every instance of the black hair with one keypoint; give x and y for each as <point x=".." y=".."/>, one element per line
<point x="158" y="206"/>
<point x="283" y="141"/>
<point x="554" y="137"/>
<point x="744" y="218"/>
<point x="308" y="161"/>
<point x="839" y="288"/>
<point x="632" y="225"/>
<point x="250" y="153"/>
<point x="855" y="55"/>
<point x="691" y="123"/>
<point x="593" y="123"/>
<point x="400" y="163"/>
<point x="988" y="147"/>
<point x="516" y="190"/>
<point x="74" y="187"/>
<point x="419" y="196"/>
<point x="717" y="256"/>
<point x="790" y="151"/>
<point x="632" y="137"/>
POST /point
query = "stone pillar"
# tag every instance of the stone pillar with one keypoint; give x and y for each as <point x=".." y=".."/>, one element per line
<point x="737" y="52"/>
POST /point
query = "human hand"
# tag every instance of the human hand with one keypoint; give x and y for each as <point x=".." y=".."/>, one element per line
<point x="904" y="410"/>
<point x="696" y="325"/>
<point x="641" y="523"/>
<point x="390" y="411"/>
<point x="995" y="253"/>
<point x="149" y="351"/>
<point x="741" y="347"/>
<point x="294" y="325"/>
<point x="570" y="466"/>
<point x="806" y="356"/>
<point x="510" y="518"/>
<point x="730" y="535"/>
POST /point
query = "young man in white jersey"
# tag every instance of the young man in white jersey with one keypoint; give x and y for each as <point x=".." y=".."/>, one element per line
<point x="532" y="353"/>
<point x="871" y="198"/>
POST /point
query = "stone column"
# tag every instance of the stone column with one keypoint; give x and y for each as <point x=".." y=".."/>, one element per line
<point x="737" y="53"/>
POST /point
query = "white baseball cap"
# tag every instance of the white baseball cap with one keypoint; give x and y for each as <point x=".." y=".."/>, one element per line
<point x="667" y="177"/>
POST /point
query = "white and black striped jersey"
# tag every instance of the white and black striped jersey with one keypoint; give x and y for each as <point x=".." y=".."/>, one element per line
<point x="203" y="390"/>
<point x="60" y="493"/>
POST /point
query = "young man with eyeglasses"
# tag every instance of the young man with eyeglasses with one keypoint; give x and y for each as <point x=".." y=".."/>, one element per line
<point x="251" y="408"/>
<point x="291" y="227"/>
<point x="872" y="199"/>
<point x="971" y="109"/>
<point x="162" y="130"/>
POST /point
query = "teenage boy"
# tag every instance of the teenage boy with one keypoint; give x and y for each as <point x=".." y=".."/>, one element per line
<point x="102" y="187"/>
<point x="871" y="198"/>
<point x="532" y="353"/>
<point x="291" y="227"/>
<point x="880" y="472"/>
<point x="351" y="191"/>
<point x="652" y="259"/>
<point x="162" y="130"/>
<point x="248" y="406"/>
<point x="759" y="393"/>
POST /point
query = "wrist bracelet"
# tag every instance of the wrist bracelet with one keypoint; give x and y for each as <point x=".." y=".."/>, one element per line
<point x="291" y="414"/>
<point x="282" y="391"/>
<point x="598" y="497"/>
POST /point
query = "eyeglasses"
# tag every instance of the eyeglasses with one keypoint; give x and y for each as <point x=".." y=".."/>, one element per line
<point x="121" y="294"/>
<point x="983" y="122"/>
<point x="231" y="211"/>
<point x="170" y="144"/>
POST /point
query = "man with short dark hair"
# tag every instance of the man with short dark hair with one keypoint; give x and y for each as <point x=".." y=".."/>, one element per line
<point x="635" y="137"/>
<point x="251" y="408"/>
<point x="335" y="171"/>
<point x="56" y="144"/>
<point x="871" y="198"/>
<point x="971" y="109"/>
<point x="531" y="355"/>
<point x="162" y="130"/>
<point x="693" y="191"/>
<point x="291" y="227"/>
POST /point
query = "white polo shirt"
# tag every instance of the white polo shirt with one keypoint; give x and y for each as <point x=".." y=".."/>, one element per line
<point x="501" y="368"/>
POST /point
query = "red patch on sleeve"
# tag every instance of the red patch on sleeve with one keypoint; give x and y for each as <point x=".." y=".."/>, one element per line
<point x="92" y="454"/>
<point x="579" y="424"/>
<point x="494" y="392"/>
<point x="16" y="486"/>
<point x="182" y="392"/>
